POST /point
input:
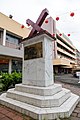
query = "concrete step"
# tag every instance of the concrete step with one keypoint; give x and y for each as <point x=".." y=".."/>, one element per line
<point x="40" y="101"/>
<point x="50" y="90"/>
<point x="62" y="111"/>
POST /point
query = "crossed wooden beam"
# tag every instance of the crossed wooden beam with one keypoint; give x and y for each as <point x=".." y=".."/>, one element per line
<point x="37" y="26"/>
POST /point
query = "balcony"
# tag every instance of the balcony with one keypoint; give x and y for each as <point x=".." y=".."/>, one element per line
<point x="61" y="61"/>
<point x="12" y="45"/>
<point x="66" y="53"/>
<point x="7" y="51"/>
<point x="68" y="48"/>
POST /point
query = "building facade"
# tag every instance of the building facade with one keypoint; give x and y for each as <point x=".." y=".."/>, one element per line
<point x="65" y="55"/>
<point x="11" y="52"/>
<point x="64" y="52"/>
<point x="65" y="58"/>
<point x="77" y="59"/>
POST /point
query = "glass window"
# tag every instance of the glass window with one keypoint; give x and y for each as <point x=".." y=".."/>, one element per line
<point x="16" y="65"/>
<point x="4" y="67"/>
<point x="12" y="39"/>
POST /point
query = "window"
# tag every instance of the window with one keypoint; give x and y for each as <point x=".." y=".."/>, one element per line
<point x="12" y="39"/>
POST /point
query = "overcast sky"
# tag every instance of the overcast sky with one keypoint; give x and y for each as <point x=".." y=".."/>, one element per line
<point x="24" y="9"/>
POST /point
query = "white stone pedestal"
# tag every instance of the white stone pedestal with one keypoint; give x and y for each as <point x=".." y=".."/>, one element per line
<point x="39" y="70"/>
<point x="38" y="96"/>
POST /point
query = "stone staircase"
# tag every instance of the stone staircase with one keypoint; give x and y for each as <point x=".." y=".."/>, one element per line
<point x="40" y="103"/>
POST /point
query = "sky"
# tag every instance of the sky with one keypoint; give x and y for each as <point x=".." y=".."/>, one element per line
<point x="24" y="9"/>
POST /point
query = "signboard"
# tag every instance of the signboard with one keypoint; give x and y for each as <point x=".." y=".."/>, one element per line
<point x="33" y="51"/>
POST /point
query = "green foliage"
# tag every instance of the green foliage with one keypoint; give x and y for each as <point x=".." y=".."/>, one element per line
<point x="1" y="85"/>
<point x="7" y="80"/>
<point x="16" y="77"/>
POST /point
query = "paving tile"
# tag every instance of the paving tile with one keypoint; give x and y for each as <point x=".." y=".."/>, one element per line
<point x="77" y="110"/>
<point x="75" y="118"/>
<point x="8" y="109"/>
<point x="1" y="108"/>
<point x="18" y="118"/>
<point x="74" y="114"/>
<point x="4" y="111"/>
<point x="1" y="116"/>
<point x="5" y="118"/>
<point x="11" y="115"/>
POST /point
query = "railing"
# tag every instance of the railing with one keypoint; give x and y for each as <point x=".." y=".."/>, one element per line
<point x="12" y="45"/>
<point x="66" y="53"/>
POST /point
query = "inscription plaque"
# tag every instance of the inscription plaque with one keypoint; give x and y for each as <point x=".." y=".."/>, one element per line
<point x="33" y="51"/>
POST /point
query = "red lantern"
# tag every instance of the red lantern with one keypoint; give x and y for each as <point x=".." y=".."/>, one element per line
<point x="46" y="21"/>
<point x="22" y="26"/>
<point x="68" y="34"/>
<point x="57" y="18"/>
<point x="60" y="34"/>
<point x="72" y="14"/>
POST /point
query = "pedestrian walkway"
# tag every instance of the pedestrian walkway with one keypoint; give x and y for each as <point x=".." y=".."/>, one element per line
<point x="9" y="114"/>
<point x="67" y="78"/>
<point x="75" y="89"/>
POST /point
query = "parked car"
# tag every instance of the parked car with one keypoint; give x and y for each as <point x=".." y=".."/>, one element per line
<point x="75" y="73"/>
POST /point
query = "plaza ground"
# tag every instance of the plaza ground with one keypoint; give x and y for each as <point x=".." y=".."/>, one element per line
<point x="67" y="81"/>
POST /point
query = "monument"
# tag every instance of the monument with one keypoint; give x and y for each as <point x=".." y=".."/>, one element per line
<point x="38" y="96"/>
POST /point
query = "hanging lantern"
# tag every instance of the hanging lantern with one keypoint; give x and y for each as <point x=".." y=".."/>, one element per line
<point x="57" y="18"/>
<point x="60" y="34"/>
<point x="46" y="21"/>
<point x="22" y="26"/>
<point x="72" y="14"/>
<point x="68" y="34"/>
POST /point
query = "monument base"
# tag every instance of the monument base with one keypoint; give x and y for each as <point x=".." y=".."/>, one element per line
<point x="40" y="103"/>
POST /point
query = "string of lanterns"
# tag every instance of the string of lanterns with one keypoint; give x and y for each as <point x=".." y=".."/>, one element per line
<point x="59" y="35"/>
<point x="22" y="26"/>
<point x="71" y="15"/>
<point x="46" y="21"/>
<point x="57" y="19"/>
